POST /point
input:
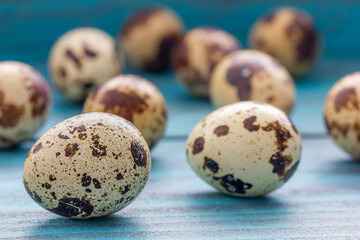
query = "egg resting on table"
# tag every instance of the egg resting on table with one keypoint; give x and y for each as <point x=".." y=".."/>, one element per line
<point x="342" y="113"/>
<point x="90" y="165"/>
<point x="245" y="149"/>
<point x="135" y="99"/>
<point x="195" y="57"/>
<point x="82" y="59"/>
<point x="252" y="75"/>
<point x="148" y="37"/>
<point x="288" y="35"/>
<point x="25" y="101"/>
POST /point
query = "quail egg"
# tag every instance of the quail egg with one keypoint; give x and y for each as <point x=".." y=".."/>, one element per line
<point x="252" y="75"/>
<point x="90" y="165"/>
<point x="288" y="35"/>
<point x="342" y="113"/>
<point x="25" y="101"/>
<point x="148" y="37"/>
<point x="196" y="56"/>
<point x="82" y="59"/>
<point x="135" y="99"/>
<point x="245" y="149"/>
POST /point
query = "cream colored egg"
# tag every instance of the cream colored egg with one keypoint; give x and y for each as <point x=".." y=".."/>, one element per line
<point x="90" y="165"/>
<point x="245" y="149"/>
<point x="135" y="99"/>
<point x="196" y="56"/>
<point x="288" y="35"/>
<point x="148" y="37"/>
<point x="342" y="113"/>
<point x="82" y="59"/>
<point x="252" y="75"/>
<point x="25" y="101"/>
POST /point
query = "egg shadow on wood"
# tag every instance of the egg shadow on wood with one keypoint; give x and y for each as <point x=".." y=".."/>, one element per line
<point x="251" y="211"/>
<point x="98" y="228"/>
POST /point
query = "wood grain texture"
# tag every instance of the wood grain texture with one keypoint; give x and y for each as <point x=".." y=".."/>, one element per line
<point x="321" y="200"/>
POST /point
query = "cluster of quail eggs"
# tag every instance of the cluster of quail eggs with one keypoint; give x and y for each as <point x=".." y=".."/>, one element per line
<point x="98" y="162"/>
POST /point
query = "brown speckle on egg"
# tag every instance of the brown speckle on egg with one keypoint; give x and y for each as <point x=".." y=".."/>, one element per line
<point x="221" y="130"/>
<point x="198" y="145"/>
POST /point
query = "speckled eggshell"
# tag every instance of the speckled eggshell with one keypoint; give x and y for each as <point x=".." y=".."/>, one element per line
<point x="148" y="37"/>
<point x="135" y="99"/>
<point x="288" y="35"/>
<point x="245" y="149"/>
<point x="90" y="165"/>
<point x="342" y="113"/>
<point x="252" y="75"/>
<point x="198" y="53"/>
<point x="25" y="101"/>
<point x="82" y="59"/>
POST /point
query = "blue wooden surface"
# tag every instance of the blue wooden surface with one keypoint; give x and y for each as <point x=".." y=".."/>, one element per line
<point x="322" y="200"/>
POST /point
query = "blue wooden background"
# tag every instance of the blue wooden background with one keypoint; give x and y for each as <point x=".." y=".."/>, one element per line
<point x="322" y="200"/>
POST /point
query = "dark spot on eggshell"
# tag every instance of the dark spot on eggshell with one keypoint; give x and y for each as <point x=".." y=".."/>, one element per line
<point x="331" y="126"/>
<point x="53" y="195"/>
<point x="79" y="129"/>
<point x="221" y="130"/>
<point x="62" y="72"/>
<point x="37" y="148"/>
<point x="10" y="114"/>
<point x="291" y="171"/>
<point x="88" y="190"/>
<point x="52" y="178"/>
<point x="211" y="165"/>
<point x="232" y="184"/>
<point x="126" y="189"/>
<point x="88" y="52"/>
<point x="71" y="207"/>
<point x="88" y="85"/>
<point x="198" y="145"/>
<point x="98" y="150"/>
<point x="71" y="149"/>
<point x="138" y="153"/>
<point x="123" y="104"/>
<point x="47" y="185"/>
<point x="96" y="183"/>
<point x="346" y="99"/>
<point x="240" y="74"/>
<point x="57" y="154"/>
<point x="138" y="19"/>
<point x="161" y="60"/>
<point x="69" y="54"/>
<point x="60" y="135"/>
<point x="249" y="124"/>
<point x="308" y="40"/>
<point x="86" y="180"/>
<point x="280" y="163"/>
<point x="281" y="133"/>
<point x="119" y="176"/>
<point x="82" y="136"/>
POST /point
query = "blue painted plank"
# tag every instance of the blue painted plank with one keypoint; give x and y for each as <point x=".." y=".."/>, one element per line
<point x="321" y="200"/>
